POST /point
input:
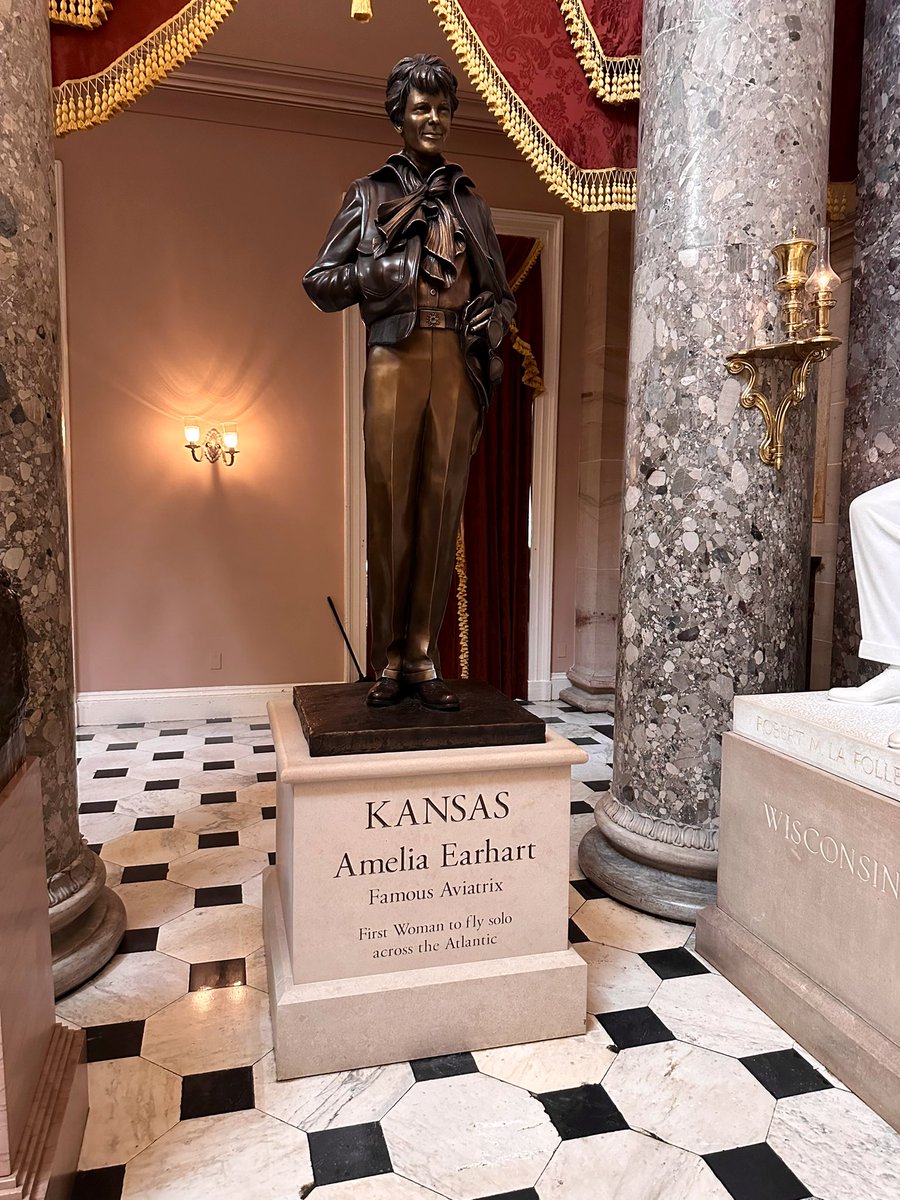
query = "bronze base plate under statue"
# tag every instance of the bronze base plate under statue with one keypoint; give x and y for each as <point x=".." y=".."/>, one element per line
<point x="337" y="720"/>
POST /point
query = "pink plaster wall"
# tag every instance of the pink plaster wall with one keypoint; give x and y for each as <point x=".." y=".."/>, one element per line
<point x="187" y="230"/>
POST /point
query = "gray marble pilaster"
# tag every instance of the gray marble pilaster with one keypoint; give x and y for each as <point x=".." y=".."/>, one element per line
<point x="733" y="153"/>
<point x="86" y="919"/>
<point x="872" y="417"/>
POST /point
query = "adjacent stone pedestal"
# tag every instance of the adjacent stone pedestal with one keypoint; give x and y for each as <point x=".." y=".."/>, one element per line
<point x="807" y="921"/>
<point x="419" y="905"/>
<point x="43" y="1080"/>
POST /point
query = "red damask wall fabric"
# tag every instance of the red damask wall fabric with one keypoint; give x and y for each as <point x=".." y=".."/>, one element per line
<point x="618" y="25"/>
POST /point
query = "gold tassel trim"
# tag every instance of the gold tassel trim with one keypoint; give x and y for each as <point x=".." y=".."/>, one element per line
<point x="610" y="189"/>
<point x="82" y="103"/>
<point x="361" y="10"/>
<point x="82" y="14"/>
<point x="462" y="602"/>
<point x="531" y="372"/>
<point x="533" y="255"/>
<point x="842" y="200"/>
<point x="614" y="80"/>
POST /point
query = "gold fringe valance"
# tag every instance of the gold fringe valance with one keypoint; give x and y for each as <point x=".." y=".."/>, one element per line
<point x="533" y="255"/>
<point x="462" y="601"/>
<point x="610" y="189"/>
<point x="81" y="103"/>
<point x="531" y="372"/>
<point x="614" y="80"/>
<point x="81" y="14"/>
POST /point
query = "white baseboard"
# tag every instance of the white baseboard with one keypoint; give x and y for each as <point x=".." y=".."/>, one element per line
<point x="558" y="681"/>
<point x="547" y="689"/>
<point x="177" y="704"/>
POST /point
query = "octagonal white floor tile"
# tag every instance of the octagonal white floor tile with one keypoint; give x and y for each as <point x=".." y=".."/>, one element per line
<point x="579" y="824"/>
<point x="211" y="1030"/>
<point x="129" y="988"/>
<point x="244" y="1154"/>
<point x="327" y="1101"/>
<point x="252" y="891"/>
<point x="617" y="979"/>
<point x="260" y="836"/>
<point x="626" y="1166"/>
<point x="390" y="1187"/>
<point x="613" y="924"/>
<point x="575" y="900"/>
<point x="689" y="1097"/>
<point x="468" y="1136"/>
<point x="707" y="1010"/>
<point x="108" y="735"/>
<point x="551" y="1066"/>
<point x="154" y="902"/>
<point x="165" y="768"/>
<point x="133" y="1102"/>
<point x="104" y="827"/>
<point x="260" y="794"/>
<point x="257" y="974"/>
<point x="150" y="846"/>
<point x="218" y="865"/>
<point x="158" y="803"/>
<point x="208" y="934"/>
<point x="229" y="751"/>
<point x="837" y="1146"/>
<point x="113" y="873"/>
<point x="89" y="763"/>
<point x="218" y="818"/>
<point x="235" y="729"/>
<point x="218" y="781"/>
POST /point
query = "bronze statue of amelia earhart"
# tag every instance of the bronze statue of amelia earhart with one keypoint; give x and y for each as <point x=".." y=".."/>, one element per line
<point x="414" y="246"/>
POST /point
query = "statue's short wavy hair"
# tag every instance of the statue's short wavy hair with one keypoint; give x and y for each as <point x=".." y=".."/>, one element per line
<point x="425" y="72"/>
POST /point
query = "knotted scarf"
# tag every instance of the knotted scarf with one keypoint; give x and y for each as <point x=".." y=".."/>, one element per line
<point x="425" y="211"/>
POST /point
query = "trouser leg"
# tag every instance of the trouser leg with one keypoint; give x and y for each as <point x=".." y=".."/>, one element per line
<point x="395" y="396"/>
<point x="875" y="535"/>
<point x="451" y="422"/>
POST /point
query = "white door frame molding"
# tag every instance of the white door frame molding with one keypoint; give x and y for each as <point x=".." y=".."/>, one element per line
<point x="549" y="229"/>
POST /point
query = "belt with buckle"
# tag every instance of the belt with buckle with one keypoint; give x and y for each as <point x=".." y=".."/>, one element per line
<point x="438" y="318"/>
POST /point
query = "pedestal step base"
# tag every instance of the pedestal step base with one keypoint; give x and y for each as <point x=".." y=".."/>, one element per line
<point x="859" y="1055"/>
<point x="51" y="1142"/>
<point x="650" y="889"/>
<point x="589" y="702"/>
<point x="81" y="948"/>
<point x="338" y="1025"/>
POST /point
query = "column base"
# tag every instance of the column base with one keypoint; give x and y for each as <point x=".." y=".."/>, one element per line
<point x="590" y="702"/>
<point x="81" y="948"/>
<point x="651" y="889"/>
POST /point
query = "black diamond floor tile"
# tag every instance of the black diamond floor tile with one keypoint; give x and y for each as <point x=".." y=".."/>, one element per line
<point x="207" y="841"/>
<point x="226" y="972"/>
<point x="222" y="764"/>
<point x="207" y="897"/>
<point x="442" y="1065"/>
<point x="167" y="755"/>
<point x="583" y="741"/>
<point x="597" y="785"/>
<point x="263" y="749"/>
<point x="216" y="1092"/>
<point x="674" y="964"/>
<point x="89" y="737"/>
<point x="589" y="890"/>
<point x="111" y="773"/>
<point x="218" y="797"/>
<point x="755" y="1173"/>
<point x="121" y="746"/>
<point x="603" y="728"/>
<point x="137" y="941"/>
<point x="354" y="1152"/>
<point x="785" y="1073"/>
<point x="576" y="934"/>
<point x="265" y="777"/>
<point x="634" y="1027"/>
<point x="131" y="725"/>
<point x="122" y="1040"/>
<point x="271" y="858"/>
<point x="524" y="1194"/>
<point x="90" y="806"/>
<point x="553" y="721"/>
<point x="96" y="847"/>
<point x="154" y="823"/>
<point x="257" y="728"/>
<point x="161" y="785"/>
<point x="219" y="720"/>
<point x="173" y="733"/>
<point x="222" y="740"/>
<point x="103" y="1184"/>
<point x="580" y="806"/>
<point x="268" y="812"/>
<point x="145" y="873"/>
<point x="582" y="1111"/>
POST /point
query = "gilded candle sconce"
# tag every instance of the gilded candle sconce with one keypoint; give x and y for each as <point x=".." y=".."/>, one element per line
<point x="806" y="303"/>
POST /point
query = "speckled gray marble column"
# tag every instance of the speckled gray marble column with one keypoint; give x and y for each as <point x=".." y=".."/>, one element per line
<point x="733" y="153"/>
<point x="872" y="417"/>
<point x="86" y="918"/>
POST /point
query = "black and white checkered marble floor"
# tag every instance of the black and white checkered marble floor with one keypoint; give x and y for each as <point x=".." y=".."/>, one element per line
<point x="681" y="1089"/>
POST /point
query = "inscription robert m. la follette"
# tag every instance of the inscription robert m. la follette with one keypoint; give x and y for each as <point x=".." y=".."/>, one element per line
<point x="448" y="876"/>
<point x="863" y="763"/>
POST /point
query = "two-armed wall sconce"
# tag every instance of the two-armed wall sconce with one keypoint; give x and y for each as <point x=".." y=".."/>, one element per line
<point x="806" y="302"/>
<point x="216" y="445"/>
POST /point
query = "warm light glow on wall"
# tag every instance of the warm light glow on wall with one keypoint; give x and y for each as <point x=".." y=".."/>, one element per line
<point x="216" y="446"/>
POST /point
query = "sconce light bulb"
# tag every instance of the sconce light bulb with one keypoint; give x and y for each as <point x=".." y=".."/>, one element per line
<point x="230" y="437"/>
<point x="823" y="278"/>
<point x="192" y="434"/>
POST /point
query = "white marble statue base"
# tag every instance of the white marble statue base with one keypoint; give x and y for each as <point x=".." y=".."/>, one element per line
<point x="807" y="919"/>
<point x="419" y="905"/>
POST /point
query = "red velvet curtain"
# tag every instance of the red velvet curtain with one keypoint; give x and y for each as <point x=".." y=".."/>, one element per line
<point x="497" y="509"/>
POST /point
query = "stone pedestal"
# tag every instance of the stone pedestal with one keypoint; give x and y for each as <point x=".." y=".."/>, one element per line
<point x="43" y="1079"/>
<point x="807" y="920"/>
<point x="419" y="903"/>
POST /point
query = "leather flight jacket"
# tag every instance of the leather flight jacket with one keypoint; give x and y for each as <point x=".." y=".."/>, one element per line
<point x="385" y="285"/>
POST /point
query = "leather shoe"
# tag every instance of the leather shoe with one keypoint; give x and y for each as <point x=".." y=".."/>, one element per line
<point x="385" y="691"/>
<point x="434" y="693"/>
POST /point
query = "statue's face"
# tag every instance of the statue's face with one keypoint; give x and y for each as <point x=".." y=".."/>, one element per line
<point x="426" y="123"/>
